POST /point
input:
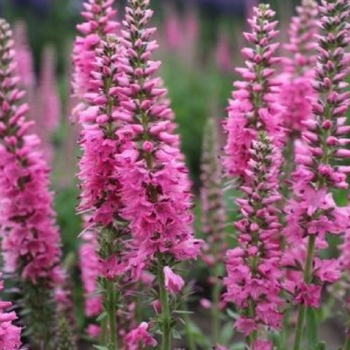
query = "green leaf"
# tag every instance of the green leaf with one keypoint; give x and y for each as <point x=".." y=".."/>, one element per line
<point x="311" y="328"/>
<point x="175" y="334"/>
<point x="238" y="346"/>
<point x="198" y="335"/>
<point x="277" y="340"/>
<point x="100" y="347"/>
<point x="102" y="316"/>
<point x="182" y="312"/>
<point x="232" y="314"/>
<point x="226" y="333"/>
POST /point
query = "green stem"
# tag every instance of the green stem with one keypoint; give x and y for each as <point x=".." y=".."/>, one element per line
<point x="103" y="336"/>
<point x="307" y="280"/>
<point x="111" y="310"/>
<point x="299" y="329"/>
<point x="165" y="309"/>
<point x="215" y="311"/>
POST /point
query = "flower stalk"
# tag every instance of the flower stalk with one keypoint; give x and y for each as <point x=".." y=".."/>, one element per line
<point x="165" y="308"/>
<point x="307" y="279"/>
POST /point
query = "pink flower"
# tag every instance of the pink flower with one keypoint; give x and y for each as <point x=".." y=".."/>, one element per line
<point x="48" y="105"/>
<point x="312" y="209"/>
<point x="10" y="335"/>
<point x="139" y="338"/>
<point x="253" y="106"/>
<point x="173" y="30"/>
<point x="93" y="331"/>
<point x="205" y="303"/>
<point x="99" y="177"/>
<point x="253" y="268"/>
<point x="327" y="270"/>
<point x="246" y="325"/>
<point x="295" y="96"/>
<point x="262" y="345"/>
<point x="308" y="295"/>
<point x="24" y="56"/>
<point x="155" y="188"/>
<point x="99" y="23"/>
<point x="173" y="282"/>
<point x="301" y="46"/>
<point x="31" y="240"/>
<point x="223" y="56"/>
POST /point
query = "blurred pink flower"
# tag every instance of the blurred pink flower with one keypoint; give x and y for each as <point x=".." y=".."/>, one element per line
<point x="173" y="282"/>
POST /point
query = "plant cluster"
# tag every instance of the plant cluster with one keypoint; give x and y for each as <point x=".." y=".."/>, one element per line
<point x="284" y="156"/>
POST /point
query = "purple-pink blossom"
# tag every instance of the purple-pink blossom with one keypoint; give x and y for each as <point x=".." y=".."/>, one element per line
<point x="253" y="268"/>
<point x="10" y="335"/>
<point x="253" y="279"/>
<point x="253" y="106"/>
<point x="296" y="92"/>
<point x="99" y="22"/>
<point x="155" y="186"/>
<point x="311" y="212"/>
<point x="173" y="282"/>
<point x="30" y="233"/>
<point x="139" y="338"/>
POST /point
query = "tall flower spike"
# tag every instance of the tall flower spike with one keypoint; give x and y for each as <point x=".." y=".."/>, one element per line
<point x="302" y="32"/>
<point x="253" y="272"/>
<point x="99" y="16"/>
<point x="100" y="189"/>
<point x="342" y="102"/>
<point x="24" y="57"/>
<point x="48" y="102"/>
<point x="296" y="92"/>
<point x="253" y="106"/>
<point x="152" y="167"/>
<point x="155" y="186"/>
<point x="10" y="335"/>
<point x="312" y="212"/>
<point x="213" y="217"/>
<point x="252" y="154"/>
<point x="30" y="241"/>
<point x="222" y="54"/>
<point x="100" y="195"/>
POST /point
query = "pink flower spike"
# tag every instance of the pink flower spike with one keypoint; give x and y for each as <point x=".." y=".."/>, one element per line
<point x="253" y="106"/>
<point x="27" y="216"/>
<point x="160" y="220"/>
<point x="99" y="23"/>
<point x="253" y="270"/>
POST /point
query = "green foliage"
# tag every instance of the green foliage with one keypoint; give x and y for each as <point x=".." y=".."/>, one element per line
<point x="37" y="310"/>
<point x="64" y="336"/>
<point x="195" y="94"/>
<point x="68" y="220"/>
